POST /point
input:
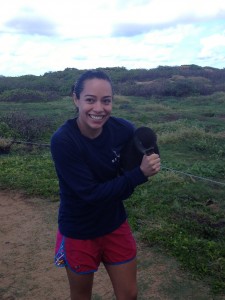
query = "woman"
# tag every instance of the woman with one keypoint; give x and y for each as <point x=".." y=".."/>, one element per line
<point x="92" y="219"/>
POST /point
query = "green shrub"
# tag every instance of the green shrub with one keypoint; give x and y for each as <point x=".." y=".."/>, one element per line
<point x="26" y="95"/>
<point x="25" y="127"/>
<point x="5" y="145"/>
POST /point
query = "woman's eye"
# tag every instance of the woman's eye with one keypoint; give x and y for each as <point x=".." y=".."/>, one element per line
<point x="90" y="100"/>
<point x="107" y="101"/>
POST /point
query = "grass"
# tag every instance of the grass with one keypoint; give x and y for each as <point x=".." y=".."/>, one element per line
<point x="175" y="214"/>
<point x="33" y="173"/>
<point x="182" y="215"/>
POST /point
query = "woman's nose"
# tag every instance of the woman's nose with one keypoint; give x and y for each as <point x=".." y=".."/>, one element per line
<point x="98" y="106"/>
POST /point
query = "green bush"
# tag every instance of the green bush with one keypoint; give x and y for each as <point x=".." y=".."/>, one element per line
<point x="26" y="95"/>
<point x="25" y="127"/>
<point x="5" y="145"/>
<point x="5" y="130"/>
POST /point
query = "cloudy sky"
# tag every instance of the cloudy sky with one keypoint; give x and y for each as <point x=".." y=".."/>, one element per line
<point x="38" y="36"/>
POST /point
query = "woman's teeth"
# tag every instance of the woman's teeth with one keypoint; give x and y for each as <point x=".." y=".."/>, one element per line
<point x="96" y="117"/>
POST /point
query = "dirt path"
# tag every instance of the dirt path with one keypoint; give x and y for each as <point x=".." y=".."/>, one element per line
<point x="27" y="236"/>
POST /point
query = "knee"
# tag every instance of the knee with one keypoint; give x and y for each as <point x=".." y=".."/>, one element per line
<point x="133" y="293"/>
<point x="129" y="294"/>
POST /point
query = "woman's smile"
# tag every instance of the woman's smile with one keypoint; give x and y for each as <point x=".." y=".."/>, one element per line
<point x="96" y="117"/>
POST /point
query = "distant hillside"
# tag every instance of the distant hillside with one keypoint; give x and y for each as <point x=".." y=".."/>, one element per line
<point x="178" y="81"/>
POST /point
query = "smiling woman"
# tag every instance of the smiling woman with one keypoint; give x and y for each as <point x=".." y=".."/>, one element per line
<point x="92" y="220"/>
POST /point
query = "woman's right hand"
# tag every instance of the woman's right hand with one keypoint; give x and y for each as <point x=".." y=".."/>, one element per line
<point x="150" y="164"/>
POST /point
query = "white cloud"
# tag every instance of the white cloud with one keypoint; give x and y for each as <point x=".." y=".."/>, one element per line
<point x="39" y="36"/>
<point x="31" y="25"/>
<point x="213" y="45"/>
<point x="158" y="14"/>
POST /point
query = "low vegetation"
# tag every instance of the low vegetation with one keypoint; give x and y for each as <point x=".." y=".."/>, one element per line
<point x="180" y="211"/>
<point x="163" y="81"/>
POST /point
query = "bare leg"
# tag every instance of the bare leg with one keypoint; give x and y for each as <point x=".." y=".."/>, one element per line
<point x="80" y="285"/>
<point x="124" y="280"/>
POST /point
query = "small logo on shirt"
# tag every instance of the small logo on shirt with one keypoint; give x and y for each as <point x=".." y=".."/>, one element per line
<point x="116" y="156"/>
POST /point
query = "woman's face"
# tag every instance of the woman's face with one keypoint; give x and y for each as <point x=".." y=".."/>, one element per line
<point x="95" y="106"/>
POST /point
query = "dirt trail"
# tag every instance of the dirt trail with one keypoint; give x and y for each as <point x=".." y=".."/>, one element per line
<point x="27" y="236"/>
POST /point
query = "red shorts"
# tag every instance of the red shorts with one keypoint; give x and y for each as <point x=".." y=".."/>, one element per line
<point x="85" y="256"/>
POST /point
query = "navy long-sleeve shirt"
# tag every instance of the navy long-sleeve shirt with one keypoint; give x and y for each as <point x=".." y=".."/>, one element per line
<point x="92" y="189"/>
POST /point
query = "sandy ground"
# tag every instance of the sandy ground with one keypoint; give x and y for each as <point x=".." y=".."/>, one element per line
<point x="27" y="236"/>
